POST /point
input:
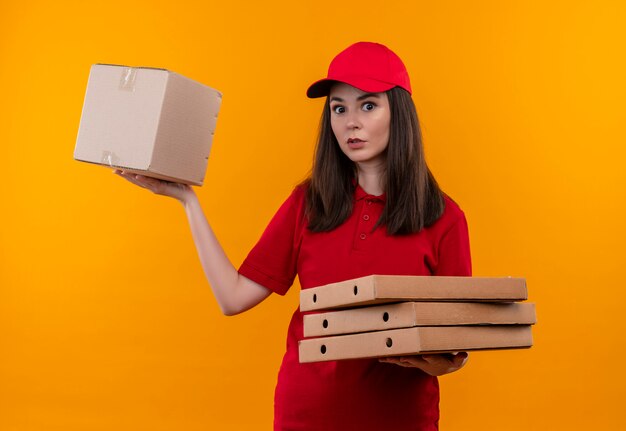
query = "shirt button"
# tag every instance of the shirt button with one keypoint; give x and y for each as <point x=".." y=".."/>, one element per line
<point x="362" y="236"/>
<point x="369" y="202"/>
<point x="366" y="217"/>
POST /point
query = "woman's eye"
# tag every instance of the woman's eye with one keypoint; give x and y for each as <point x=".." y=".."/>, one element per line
<point x="368" y="106"/>
<point x="338" y="109"/>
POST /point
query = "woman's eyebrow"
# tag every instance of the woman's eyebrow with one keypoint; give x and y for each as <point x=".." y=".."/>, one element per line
<point x="364" y="96"/>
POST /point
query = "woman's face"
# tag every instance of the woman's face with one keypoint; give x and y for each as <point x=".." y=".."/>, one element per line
<point x="360" y="122"/>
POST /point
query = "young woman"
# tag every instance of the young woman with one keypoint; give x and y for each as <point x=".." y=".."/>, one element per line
<point x="371" y="206"/>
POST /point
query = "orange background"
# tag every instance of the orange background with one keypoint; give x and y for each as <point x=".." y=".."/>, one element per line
<point x="106" y="320"/>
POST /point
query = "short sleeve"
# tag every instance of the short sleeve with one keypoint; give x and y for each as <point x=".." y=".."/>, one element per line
<point x="273" y="261"/>
<point x="454" y="258"/>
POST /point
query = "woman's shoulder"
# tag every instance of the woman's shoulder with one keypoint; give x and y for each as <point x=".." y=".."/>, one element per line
<point x="452" y="209"/>
<point x="299" y="192"/>
<point x="452" y="214"/>
<point x="296" y="200"/>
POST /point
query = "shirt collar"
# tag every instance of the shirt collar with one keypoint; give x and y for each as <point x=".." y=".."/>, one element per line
<point x="359" y="194"/>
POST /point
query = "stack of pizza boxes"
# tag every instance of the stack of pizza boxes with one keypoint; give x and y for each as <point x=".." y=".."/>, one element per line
<point x="379" y="316"/>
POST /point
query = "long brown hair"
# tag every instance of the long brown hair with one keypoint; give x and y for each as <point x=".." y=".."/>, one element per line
<point x="413" y="197"/>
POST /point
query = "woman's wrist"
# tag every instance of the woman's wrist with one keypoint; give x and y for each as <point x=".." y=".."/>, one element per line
<point x="188" y="197"/>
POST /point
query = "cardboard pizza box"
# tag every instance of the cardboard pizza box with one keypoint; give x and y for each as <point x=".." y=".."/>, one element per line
<point x="375" y="289"/>
<point x="409" y="314"/>
<point x="414" y="341"/>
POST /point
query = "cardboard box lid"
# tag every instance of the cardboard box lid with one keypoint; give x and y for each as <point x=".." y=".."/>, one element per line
<point x="375" y="289"/>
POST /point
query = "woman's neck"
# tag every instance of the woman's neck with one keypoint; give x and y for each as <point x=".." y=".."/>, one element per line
<point x="370" y="178"/>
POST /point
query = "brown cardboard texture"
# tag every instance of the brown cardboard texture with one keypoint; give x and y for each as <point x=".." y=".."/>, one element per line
<point x="414" y="341"/>
<point x="148" y="121"/>
<point x="375" y="289"/>
<point x="409" y="314"/>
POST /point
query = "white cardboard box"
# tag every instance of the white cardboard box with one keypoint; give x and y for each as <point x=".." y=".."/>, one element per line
<point x="148" y="121"/>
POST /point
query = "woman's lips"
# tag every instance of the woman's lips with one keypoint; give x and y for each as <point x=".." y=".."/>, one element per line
<point x="355" y="144"/>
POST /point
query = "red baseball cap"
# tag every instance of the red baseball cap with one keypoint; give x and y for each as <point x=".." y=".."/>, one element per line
<point x="368" y="66"/>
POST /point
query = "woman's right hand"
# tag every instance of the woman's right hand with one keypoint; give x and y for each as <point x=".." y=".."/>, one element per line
<point x="181" y="192"/>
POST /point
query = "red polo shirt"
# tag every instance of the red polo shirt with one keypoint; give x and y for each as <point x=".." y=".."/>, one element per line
<point x="362" y="394"/>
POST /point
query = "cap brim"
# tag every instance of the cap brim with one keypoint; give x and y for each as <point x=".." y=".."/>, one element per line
<point x="322" y="87"/>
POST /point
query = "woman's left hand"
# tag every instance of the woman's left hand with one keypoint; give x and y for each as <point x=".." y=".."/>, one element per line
<point x="435" y="365"/>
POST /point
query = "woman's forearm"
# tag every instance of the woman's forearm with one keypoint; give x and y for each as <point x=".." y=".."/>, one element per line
<point x="233" y="292"/>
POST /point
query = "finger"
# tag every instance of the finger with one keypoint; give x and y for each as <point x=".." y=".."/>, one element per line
<point x="460" y="359"/>
<point x="150" y="183"/>
<point x="395" y="361"/>
<point x="453" y="358"/>
<point x="436" y="359"/>
<point x="131" y="178"/>
<point x="144" y="180"/>
<point x="449" y="362"/>
<point x="399" y="363"/>
<point x="127" y="176"/>
<point x="414" y="361"/>
<point x="139" y="179"/>
<point x="410" y="361"/>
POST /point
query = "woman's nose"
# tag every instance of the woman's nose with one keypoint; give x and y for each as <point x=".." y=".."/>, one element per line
<point x="353" y="122"/>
